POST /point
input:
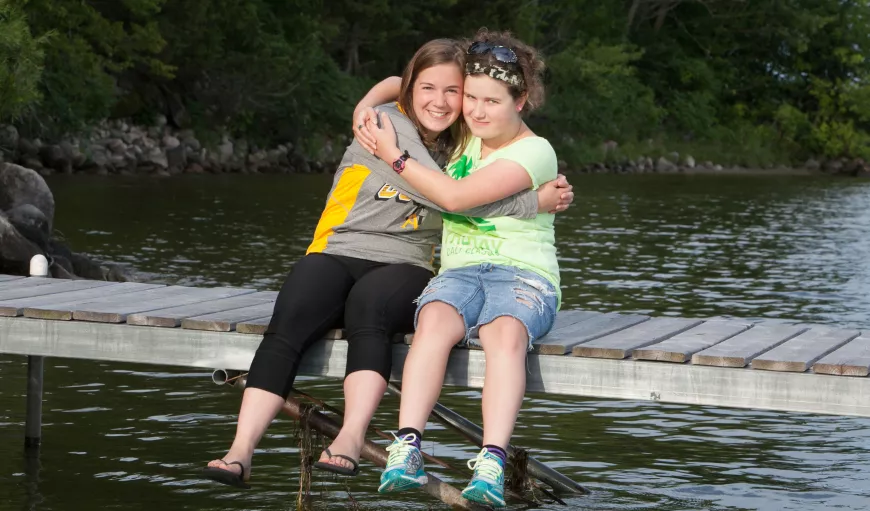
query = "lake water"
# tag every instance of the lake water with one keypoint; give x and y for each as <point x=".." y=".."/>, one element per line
<point x="787" y="248"/>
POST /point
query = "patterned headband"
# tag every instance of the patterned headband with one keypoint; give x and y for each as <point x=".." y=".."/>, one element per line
<point x="495" y="71"/>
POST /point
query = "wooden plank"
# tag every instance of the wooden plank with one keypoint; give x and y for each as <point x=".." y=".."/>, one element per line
<point x="171" y="317"/>
<point x="619" y="345"/>
<point x="61" y="306"/>
<point x="117" y="310"/>
<point x="739" y="350"/>
<point x="55" y="287"/>
<point x="852" y="359"/>
<point x="565" y="319"/>
<point x="225" y="321"/>
<point x="28" y="282"/>
<point x="7" y="278"/>
<point x="680" y="347"/>
<point x="799" y="353"/>
<point x="564" y="340"/>
<point x="254" y="326"/>
<point x="17" y="306"/>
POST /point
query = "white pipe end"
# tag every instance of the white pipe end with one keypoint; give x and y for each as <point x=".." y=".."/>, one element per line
<point x="38" y="266"/>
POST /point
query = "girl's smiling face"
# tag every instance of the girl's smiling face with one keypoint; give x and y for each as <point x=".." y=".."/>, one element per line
<point x="437" y="97"/>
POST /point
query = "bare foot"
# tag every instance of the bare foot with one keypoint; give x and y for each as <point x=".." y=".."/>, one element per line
<point x="227" y="464"/>
<point x="342" y="446"/>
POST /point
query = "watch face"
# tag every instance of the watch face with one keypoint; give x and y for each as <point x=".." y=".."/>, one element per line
<point x="399" y="164"/>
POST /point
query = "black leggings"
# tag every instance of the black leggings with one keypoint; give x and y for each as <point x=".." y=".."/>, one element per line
<point x="372" y="301"/>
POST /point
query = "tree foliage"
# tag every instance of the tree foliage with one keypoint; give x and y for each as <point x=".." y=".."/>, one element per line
<point x="784" y="77"/>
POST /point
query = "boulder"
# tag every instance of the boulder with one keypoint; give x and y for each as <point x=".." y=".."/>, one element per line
<point x="30" y="223"/>
<point x="8" y="138"/>
<point x="15" y="249"/>
<point x="20" y="185"/>
<point x="663" y="165"/>
<point x="55" y="158"/>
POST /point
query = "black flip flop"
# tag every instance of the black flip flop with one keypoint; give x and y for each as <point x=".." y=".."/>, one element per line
<point x="227" y="477"/>
<point x="338" y="469"/>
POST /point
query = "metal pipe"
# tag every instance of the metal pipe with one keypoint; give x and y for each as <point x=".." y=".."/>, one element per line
<point x="370" y="451"/>
<point x="559" y="482"/>
<point x="35" y="372"/>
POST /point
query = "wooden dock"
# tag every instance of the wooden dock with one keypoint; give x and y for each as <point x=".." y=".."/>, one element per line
<point x="720" y="362"/>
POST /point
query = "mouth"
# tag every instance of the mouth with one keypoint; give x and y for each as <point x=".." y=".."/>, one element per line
<point x="437" y="115"/>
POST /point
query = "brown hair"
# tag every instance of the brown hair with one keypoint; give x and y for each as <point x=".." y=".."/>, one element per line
<point x="529" y="64"/>
<point x="431" y="54"/>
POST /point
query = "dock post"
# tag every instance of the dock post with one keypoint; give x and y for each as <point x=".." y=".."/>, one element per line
<point x="35" y="366"/>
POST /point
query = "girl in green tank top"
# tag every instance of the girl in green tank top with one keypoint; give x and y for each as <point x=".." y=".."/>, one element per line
<point x="499" y="280"/>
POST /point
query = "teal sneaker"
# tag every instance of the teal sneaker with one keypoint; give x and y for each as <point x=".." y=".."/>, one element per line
<point x="404" y="466"/>
<point x="487" y="484"/>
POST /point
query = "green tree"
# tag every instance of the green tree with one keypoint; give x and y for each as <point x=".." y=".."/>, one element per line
<point x="21" y="61"/>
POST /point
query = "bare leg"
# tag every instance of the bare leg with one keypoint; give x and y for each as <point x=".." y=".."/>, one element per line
<point x="363" y="391"/>
<point x="439" y="328"/>
<point x="258" y="409"/>
<point x="505" y="343"/>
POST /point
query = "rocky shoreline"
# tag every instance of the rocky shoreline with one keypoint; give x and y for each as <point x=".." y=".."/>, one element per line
<point x="122" y="148"/>
<point x="675" y="164"/>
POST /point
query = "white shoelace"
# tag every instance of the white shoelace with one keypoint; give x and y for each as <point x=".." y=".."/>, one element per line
<point x="486" y="467"/>
<point x="399" y="448"/>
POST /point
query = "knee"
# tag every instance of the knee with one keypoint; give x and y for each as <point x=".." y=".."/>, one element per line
<point x="439" y="318"/>
<point x="506" y="335"/>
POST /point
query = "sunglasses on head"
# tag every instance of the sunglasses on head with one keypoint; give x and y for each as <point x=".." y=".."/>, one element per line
<point x="501" y="53"/>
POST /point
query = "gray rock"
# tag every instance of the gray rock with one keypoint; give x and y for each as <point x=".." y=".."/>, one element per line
<point x="834" y="166"/>
<point x="20" y="185"/>
<point x="170" y="142"/>
<point x="116" y="145"/>
<point x="27" y="148"/>
<point x="811" y="164"/>
<point x="225" y="151"/>
<point x="157" y="158"/>
<point x="9" y="138"/>
<point x="563" y="165"/>
<point x="176" y="157"/>
<point x="663" y="165"/>
<point x="54" y="157"/>
<point x="689" y="162"/>
<point x="15" y="249"/>
<point x="31" y="223"/>
<point x="160" y="120"/>
<point x="73" y="153"/>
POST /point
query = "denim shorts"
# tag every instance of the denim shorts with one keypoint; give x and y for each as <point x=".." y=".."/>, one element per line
<point x="485" y="292"/>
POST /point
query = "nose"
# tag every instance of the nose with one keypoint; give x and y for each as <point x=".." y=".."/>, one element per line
<point x="441" y="100"/>
<point x="477" y="112"/>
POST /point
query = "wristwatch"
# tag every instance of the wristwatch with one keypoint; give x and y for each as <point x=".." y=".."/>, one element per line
<point x="399" y="164"/>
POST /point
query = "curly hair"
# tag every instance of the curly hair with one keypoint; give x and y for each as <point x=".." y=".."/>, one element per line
<point x="529" y="64"/>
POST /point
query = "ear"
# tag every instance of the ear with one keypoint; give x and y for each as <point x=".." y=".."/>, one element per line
<point x="521" y="102"/>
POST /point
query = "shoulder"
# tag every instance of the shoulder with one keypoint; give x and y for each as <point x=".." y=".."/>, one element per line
<point x="536" y="151"/>
<point x="536" y="155"/>
<point x="393" y="110"/>
<point x="539" y="145"/>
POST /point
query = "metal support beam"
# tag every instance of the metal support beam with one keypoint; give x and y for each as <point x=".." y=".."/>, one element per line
<point x="35" y="367"/>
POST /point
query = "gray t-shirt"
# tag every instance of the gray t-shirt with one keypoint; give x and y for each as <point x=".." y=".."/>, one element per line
<point x="373" y="213"/>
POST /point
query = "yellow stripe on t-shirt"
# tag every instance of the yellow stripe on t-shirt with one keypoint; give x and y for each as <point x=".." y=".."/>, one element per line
<point x="338" y="205"/>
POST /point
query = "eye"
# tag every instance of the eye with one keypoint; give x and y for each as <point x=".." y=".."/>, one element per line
<point x="427" y="87"/>
<point x="492" y="102"/>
